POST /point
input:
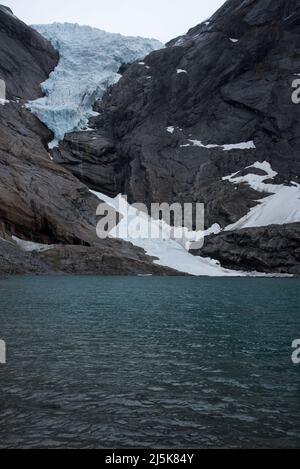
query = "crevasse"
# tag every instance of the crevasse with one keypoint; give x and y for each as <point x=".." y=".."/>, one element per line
<point x="89" y="63"/>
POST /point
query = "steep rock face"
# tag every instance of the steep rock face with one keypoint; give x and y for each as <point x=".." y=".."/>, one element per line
<point x="39" y="200"/>
<point x="92" y="158"/>
<point x="212" y="90"/>
<point x="212" y="103"/>
<point x="267" y="249"/>
<point x="23" y="49"/>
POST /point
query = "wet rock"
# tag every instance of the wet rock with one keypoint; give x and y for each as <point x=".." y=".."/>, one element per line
<point x="23" y="50"/>
<point x="41" y="201"/>
<point x="272" y="249"/>
<point x="227" y="81"/>
<point x="110" y="257"/>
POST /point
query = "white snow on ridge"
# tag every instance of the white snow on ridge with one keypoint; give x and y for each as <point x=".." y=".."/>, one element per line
<point x="171" y="129"/>
<point x="179" y="71"/>
<point x="232" y="146"/>
<point x="29" y="246"/>
<point x="146" y="66"/>
<point x="280" y="208"/>
<point x="254" y="180"/>
<point x="89" y="63"/>
<point x="168" y="251"/>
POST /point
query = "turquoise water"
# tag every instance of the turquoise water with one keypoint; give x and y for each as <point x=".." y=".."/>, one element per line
<point x="102" y="362"/>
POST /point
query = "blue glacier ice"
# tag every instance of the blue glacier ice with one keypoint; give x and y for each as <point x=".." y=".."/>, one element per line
<point x="89" y="62"/>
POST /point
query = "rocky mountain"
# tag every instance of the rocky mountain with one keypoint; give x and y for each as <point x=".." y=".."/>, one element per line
<point x="41" y="202"/>
<point x="210" y="118"/>
<point x="26" y="57"/>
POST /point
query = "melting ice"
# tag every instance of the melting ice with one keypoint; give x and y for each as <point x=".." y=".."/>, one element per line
<point x="89" y="63"/>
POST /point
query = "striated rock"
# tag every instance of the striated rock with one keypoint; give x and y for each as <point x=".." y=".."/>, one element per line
<point x="41" y="201"/>
<point x="212" y="103"/>
<point x="92" y="158"/>
<point x="227" y="81"/>
<point x="167" y="124"/>
<point x="15" y="261"/>
<point x="26" y="58"/>
<point x="267" y="249"/>
<point x="108" y="258"/>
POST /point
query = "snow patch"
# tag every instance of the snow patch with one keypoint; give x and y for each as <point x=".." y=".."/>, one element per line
<point x="29" y="246"/>
<point x="89" y="63"/>
<point x="213" y="230"/>
<point x="234" y="40"/>
<point x="280" y="208"/>
<point x="168" y="251"/>
<point x="254" y="180"/>
<point x="144" y="65"/>
<point x="179" y="71"/>
<point x="171" y="129"/>
<point x="228" y="147"/>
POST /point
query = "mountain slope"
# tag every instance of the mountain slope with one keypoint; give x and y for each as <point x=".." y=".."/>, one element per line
<point x="214" y="104"/>
<point x="40" y="201"/>
<point x="23" y="49"/>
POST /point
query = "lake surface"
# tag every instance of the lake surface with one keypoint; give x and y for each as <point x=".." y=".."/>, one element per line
<point x="103" y="362"/>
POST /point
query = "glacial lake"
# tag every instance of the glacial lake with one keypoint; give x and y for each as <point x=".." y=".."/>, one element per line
<point x="146" y="362"/>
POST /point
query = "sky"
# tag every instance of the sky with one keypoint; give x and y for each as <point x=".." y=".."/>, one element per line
<point x="160" y="19"/>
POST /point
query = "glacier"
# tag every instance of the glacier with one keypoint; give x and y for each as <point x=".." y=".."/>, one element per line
<point x="89" y="63"/>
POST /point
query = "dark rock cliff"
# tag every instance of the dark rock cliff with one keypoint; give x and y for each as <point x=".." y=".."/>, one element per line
<point x="227" y="81"/>
<point x="269" y="249"/>
<point x="160" y="136"/>
<point x="39" y="200"/>
<point x="26" y="58"/>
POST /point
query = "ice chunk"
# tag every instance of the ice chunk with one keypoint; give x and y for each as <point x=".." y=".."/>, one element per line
<point x="89" y="63"/>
